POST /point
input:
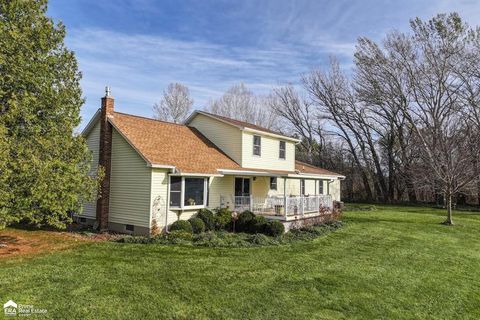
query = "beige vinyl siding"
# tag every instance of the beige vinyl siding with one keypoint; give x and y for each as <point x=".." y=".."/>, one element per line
<point x="334" y="190"/>
<point x="218" y="187"/>
<point x="93" y="144"/>
<point x="129" y="185"/>
<point x="159" y="200"/>
<point x="269" y="158"/>
<point x="228" y="138"/>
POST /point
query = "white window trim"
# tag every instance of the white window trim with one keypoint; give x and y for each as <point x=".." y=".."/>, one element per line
<point x="260" y="146"/>
<point x="284" y="150"/>
<point x="182" y="194"/>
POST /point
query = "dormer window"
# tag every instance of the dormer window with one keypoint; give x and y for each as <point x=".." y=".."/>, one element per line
<point x="257" y="145"/>
<point x="281" y="150"/>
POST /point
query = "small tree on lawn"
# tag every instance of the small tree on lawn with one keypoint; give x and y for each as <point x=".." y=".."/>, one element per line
<point x="43" y="165"/>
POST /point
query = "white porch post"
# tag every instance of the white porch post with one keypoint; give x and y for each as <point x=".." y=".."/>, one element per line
<point x="285" y="197"/>
<point x="251" y="202"/>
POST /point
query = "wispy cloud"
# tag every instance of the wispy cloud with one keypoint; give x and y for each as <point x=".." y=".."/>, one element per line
<point x="139" y="67"/>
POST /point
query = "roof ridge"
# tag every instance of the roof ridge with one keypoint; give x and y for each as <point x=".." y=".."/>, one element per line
<point x="152" y="119"/>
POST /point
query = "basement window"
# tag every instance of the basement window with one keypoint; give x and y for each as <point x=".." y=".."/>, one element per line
<point x="129" y="227"/>
<point x="83" y="220"/>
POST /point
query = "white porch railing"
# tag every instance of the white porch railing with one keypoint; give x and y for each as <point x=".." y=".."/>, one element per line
<point x="279" y="205"/>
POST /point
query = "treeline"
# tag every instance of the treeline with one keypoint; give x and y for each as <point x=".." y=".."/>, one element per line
<point x="402" y="124"/>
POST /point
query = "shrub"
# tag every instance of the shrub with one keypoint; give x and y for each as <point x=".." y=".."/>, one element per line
<point x="223" y="219"/>
<point x="274" y="228"/>
<point x="182" y="225"/>
<point x="198" y="226"/>
<point x="245" y="222"/>
<point x="134" y="239"/>
<point x="261" y="240"/>
<point x="207" y="217"/>
<point x="259" y="224"/>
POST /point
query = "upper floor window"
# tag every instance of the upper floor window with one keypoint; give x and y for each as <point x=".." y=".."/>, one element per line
<point x="281" y="150"/>
<point x="257" y="145"/>
<point x="273" y="183"/>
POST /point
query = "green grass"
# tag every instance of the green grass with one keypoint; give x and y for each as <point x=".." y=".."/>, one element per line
<point x="390" y="263"/>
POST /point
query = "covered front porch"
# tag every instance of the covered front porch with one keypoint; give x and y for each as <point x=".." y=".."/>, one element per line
<point x="281" y="207"/>
<point x="284" y="197"/>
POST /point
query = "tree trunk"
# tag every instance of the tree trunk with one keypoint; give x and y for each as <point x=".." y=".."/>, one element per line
<point x="448" y="200"/>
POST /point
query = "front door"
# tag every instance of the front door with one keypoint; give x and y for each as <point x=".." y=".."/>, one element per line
<point x="242" y="194"/>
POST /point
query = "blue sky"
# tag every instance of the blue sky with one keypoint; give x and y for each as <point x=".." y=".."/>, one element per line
<point x="138" y="47"/>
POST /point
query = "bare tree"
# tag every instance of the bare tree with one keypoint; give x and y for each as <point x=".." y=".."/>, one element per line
<point x="299" y="113"/>
<point x="175" y="104"/>
<point x="446" y="133"/>
<point x="242" y="104"/>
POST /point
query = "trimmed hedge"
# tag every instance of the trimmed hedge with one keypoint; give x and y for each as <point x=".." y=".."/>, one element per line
<point x="259" y="224"/>
<point x="223" y="219"/>
<point x="245" y="222"/>
<point x="198" y="226"/>
<point x="208" y="218"/>
<point x="274" y="228"/>
<point x="181" y="225"/>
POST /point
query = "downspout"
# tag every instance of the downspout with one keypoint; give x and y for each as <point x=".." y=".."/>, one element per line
<point x="168" y="203"/>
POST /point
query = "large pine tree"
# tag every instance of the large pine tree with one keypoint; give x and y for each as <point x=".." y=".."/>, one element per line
<point x="43" y="165"/>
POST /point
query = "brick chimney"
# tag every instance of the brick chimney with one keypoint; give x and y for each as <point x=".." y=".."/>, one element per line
<point x="105" y="159"/>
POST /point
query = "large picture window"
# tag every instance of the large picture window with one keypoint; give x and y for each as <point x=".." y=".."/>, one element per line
<point x="187" y="192"/>
<point x="194" y="191"/>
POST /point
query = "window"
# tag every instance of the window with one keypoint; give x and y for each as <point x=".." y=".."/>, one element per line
<point x="83" y="220"/>
<point x="187" y="192"/>
<point x="129" y="227"/>
<point x="273" y="183"/>
<point x="194" y="191"/>
<point x="257" y="145"/>
<point x="281" y="151"/>
<point x="175" y="191"/>
<point x="302" y="187"/>
<point x="320" y="187"/>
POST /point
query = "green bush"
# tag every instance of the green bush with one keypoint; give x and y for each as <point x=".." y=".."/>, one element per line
<point x="274" y="228"/>
<point x="222" y="239"/>
<point x="182" y="225"/>
<point x="259" y="224"/>
<point x="134" y="239"/>
<point x="245" y="222"/>
<point x="223" y="219"/>
<point x="207" y="217"/>
<point x="259" y="239"/>
<point x="198" y="226"/>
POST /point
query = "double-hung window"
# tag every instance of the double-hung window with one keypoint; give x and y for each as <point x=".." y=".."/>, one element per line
<point x="302" y="187"/>
<point x="281" y="150"/>
<point x="257" y="145"/>
<point x="273" y="183"/>
<point x="320" y="187"/>
<point x="187" y="192"/>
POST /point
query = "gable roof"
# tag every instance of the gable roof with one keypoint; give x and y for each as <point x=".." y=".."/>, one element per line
<point x="170" y="144"/>
<point x="242" y="125"/>
<point x="306" y="168"/>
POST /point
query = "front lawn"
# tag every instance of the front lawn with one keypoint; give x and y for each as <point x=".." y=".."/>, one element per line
<point x="392" y="263"/>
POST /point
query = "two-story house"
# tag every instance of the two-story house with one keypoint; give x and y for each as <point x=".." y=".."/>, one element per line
<point x="158" y="172"/>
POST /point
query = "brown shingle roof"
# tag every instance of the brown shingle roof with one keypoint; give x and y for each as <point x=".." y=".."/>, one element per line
<point x="165" y="143"/>
<point x="303" y="167"/>
<point x="241" y="123"/>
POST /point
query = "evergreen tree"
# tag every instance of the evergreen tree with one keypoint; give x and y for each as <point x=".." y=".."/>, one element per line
<point x="43" y="165"/>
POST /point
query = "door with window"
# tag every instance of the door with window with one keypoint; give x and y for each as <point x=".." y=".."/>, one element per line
<point x="242" y="193"/>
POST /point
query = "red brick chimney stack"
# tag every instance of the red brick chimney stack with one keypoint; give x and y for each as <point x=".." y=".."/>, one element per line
<point x="105" y="159"/>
